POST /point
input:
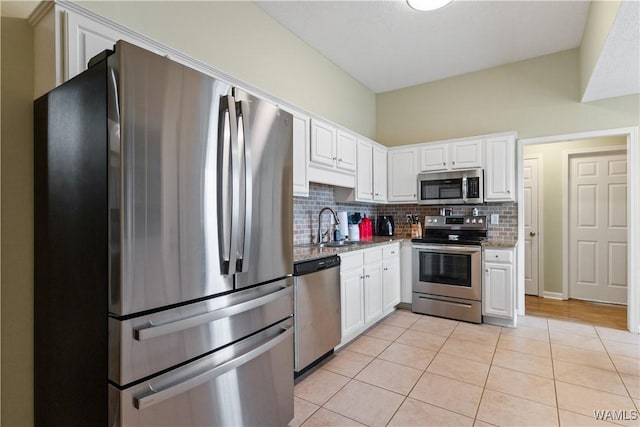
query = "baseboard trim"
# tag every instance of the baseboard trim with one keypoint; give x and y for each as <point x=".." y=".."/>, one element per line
<point x="552" y="295"/>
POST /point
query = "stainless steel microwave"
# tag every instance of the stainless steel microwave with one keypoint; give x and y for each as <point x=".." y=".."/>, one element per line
<point x="451" y="188"/>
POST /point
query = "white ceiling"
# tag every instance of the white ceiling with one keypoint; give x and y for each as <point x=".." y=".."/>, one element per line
<point x="387" y="45"/>
<point x="617" y="72"/>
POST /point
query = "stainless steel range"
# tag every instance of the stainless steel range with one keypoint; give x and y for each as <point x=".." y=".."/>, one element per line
<point x="447" y="279"/>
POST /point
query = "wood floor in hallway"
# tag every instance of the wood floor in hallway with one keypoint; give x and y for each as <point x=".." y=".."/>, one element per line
<point x="598" y="314"/>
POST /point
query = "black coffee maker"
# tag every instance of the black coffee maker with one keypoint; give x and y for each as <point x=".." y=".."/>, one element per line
<point x="385" y="226"/>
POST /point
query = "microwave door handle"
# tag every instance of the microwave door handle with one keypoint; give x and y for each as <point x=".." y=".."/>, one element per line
<point x="464" y="189"/>
<point x="246" y="187"/>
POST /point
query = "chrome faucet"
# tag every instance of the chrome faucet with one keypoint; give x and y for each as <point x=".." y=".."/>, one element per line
<point x="320" y="219"/>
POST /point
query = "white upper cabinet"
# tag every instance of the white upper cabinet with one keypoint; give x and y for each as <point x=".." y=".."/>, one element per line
<point x="332" y="148"/>
<point x="323" y="143"/>
<point x="346" y="151"/>
<point x="379" y="174"/>
<point x="499" y="169"/>
<point x="402" y="175"/>
<point x="371" y="174"/>
<point x="433" y="157"/>
<point x="466" y="154"/>
<point x="65" y="41"/>
<point x="364" y="177"/>
<point x="300" y="155"/>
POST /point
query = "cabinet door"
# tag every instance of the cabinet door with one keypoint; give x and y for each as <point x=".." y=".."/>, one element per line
<point x="85" y="39"/>
<point x="379" y="174"/>
<point x="346" y="151"/>
<point x="372" y="292"/>
<point x="402" y="177"/>
<point x="434" y="158"/>
<point x="300" y="155"/>
<point x="390" y="283"/>
<point x="364" y="176"/>
<point x="323" y="143"/>
<point x="351" y="282"/>
<point x="497" y="292"/>
<point x="466" y="154"/>
<point x="499" y="171"/>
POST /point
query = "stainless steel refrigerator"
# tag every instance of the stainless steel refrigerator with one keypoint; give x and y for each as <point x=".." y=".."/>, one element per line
<point x="163" y="249"/>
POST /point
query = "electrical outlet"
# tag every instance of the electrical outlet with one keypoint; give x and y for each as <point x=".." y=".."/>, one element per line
<point x="409" y="218"/>
<point x="495" y="219"/>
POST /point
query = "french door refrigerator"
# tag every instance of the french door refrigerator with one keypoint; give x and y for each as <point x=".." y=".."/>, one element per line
<point x="163" y="249"/>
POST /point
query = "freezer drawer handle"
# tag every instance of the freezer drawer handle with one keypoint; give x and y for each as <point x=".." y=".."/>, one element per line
<point x="147" y="332"/>
<point x="162" y="395"/>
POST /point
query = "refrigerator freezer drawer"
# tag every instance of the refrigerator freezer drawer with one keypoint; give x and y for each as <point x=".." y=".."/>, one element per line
<point x="144" y="345"/>
<point x="248" y="383"/>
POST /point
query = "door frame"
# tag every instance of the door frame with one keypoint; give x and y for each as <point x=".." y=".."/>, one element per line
<point x="566" y="156"/>
<point x="633" y="205"/>
<point x="540" y="185"/>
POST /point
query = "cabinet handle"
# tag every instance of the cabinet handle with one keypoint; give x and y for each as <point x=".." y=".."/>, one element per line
<point x="444" y="163"/>
<point x="393" y="252"/>
<point x="487" y="270"/>
<point x="339" y="160"/>
<point x="386" y="269"/>
<point x="367" y="276"/>
<point x="414" y="195"/>
<point x="508" y="191"/>
<point x="496" y="256"/>
<point x="453" y="163"/>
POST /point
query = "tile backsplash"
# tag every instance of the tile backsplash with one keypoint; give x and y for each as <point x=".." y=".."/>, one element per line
<point x="305" y="214"/>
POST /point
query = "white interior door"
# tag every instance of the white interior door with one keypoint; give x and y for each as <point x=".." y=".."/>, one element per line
<point x="530" y="174"/>
<point x="598" y="227"/>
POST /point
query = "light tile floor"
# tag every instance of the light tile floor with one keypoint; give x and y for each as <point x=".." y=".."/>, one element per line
<point x="415" y="370"/>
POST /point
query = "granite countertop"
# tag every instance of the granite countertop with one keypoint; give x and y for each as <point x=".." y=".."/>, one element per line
<point x="308" y="252"/>
<point x="499" y="243"/>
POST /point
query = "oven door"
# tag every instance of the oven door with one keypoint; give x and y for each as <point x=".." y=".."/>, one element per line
<point x="447" y="270"/>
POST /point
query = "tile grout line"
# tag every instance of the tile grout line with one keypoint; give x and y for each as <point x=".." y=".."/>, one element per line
<point x="484" y="387"/>
<point x="424" y="371"/>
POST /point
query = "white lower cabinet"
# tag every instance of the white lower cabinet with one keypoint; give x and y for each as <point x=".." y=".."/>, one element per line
<point x="352" y="300"/>
<point x="369" y="287"/>
<point x="498" y="287"/>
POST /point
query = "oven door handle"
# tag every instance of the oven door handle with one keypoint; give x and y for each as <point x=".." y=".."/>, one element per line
<point x="448" y="249"/>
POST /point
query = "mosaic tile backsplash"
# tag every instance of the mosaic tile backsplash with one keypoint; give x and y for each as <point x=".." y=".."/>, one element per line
<point x="305" y="215"/>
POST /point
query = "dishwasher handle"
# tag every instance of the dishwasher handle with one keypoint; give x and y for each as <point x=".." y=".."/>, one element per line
<point x="308" y="267"/>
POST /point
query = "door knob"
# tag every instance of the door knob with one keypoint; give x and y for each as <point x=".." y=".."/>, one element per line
<point x="532" y="233"/>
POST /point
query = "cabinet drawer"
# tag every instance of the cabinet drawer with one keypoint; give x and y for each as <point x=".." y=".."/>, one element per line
<point x="372" y="255"/>
<point x="350" y="260"/>
<point x="390" y="251"/>
<point x="497" y="255"/>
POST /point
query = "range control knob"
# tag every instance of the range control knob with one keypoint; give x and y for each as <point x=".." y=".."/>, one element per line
<point x="429" y="221"/>
<point x="480" y="221"/>
<point x="473" y="221"/>
<point x="435" y="220"/>
<point x="468" y="221"/>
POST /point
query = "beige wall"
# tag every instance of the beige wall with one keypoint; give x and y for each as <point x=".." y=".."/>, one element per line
<point x="552" y="156"/>
<point x="537" y="97"/>
<point x="601" y="16"/>
<point x="243" y="41"/>
<point x="17" y="222"/>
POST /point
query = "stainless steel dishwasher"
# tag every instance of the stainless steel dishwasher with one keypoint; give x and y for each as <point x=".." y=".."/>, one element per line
<point x="316" y="310"/>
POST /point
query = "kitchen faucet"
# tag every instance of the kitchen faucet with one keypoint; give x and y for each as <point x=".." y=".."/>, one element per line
<point x="320" y="219"/>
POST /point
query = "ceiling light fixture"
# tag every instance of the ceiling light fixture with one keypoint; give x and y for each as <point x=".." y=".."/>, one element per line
<point x="424" y="5"/>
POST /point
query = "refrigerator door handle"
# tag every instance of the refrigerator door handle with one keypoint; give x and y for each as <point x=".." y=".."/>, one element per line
<point x="229" y="182"/>
<point x="246" y="197"/>
<point x="183" y="387"/>
<point x="146" y="332"/>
